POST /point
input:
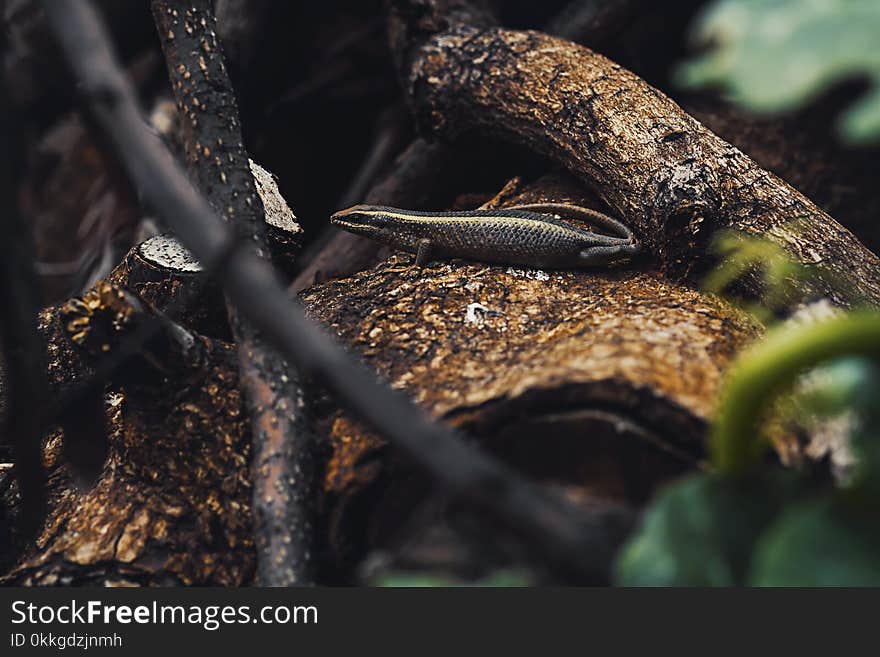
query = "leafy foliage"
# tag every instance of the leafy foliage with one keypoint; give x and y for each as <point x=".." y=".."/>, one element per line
<point x="746" y="523"/>
<point x="699" y="532"/>
<point x="775" y="55"/>
<point x="831" y="541"/>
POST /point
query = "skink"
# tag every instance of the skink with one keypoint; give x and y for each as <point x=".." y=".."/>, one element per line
<point x="532" y="235"/>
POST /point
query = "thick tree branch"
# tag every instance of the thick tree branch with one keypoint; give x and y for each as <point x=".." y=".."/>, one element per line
<point x="550" y="527"/>
<point x="605" y="381"/>
<point x="672" y="179"/>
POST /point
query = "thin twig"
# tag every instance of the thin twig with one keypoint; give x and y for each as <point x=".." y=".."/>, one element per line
<point x="552" y="528"/>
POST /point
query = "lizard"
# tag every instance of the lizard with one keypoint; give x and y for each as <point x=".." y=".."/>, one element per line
<point x="532" y="235"/>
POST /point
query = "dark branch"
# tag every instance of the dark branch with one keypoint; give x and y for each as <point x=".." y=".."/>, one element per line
<point x="550" y="527"/>
<point x="283" y="472"/>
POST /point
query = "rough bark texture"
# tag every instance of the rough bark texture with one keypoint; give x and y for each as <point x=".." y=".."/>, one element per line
<point x="165" y="275"/>
<point x="672" y="179"/>
<point x="172" y="503"/>
<point x="461" y="335"/>
<point x="800" y="147"/>
<point x="549" y="526"/>
<point x="598" y="387"/>
<point x="218" y="161"/>
<point x="804" y="151"/>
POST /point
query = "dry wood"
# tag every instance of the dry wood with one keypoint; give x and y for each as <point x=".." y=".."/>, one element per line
<point x="597" y="386"/>
<point x="804" y="151"/>
<point x="544" y="522"/>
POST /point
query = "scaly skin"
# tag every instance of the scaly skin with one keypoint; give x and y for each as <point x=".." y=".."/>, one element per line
<point x="529" y="235"/>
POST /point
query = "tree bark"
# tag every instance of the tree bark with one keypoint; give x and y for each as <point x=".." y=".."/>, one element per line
<point x="543" y="522"/>
<point x="172" y="503"/>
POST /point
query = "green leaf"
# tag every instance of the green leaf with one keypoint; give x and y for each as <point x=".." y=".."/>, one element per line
<point x="698" y="532"/>
<point x="837" y="387"/>
<point x="866" y="437"/>
<point x="775" y="55"/>
<point x="821" y="543"/>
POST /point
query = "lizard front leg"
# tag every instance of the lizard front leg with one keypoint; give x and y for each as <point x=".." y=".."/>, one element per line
<point x="423" y="255"/>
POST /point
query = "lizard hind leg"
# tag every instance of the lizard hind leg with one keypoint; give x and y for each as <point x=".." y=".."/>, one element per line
<point x="423" y="255"/>
<point x="606" y="254"/>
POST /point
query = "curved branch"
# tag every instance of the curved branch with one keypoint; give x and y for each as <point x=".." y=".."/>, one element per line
<point x="676" y="182"/>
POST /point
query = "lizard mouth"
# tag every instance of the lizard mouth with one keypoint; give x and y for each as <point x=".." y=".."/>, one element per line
<point x="358" y="222"/>
<point x="355" y="226"/>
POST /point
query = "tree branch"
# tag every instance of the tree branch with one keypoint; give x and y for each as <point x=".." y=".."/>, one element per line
<point x="283" y="471"/>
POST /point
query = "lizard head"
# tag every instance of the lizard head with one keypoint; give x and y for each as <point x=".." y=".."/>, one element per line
<point x="399" y="229"/>
<point x="363" y="220"/>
